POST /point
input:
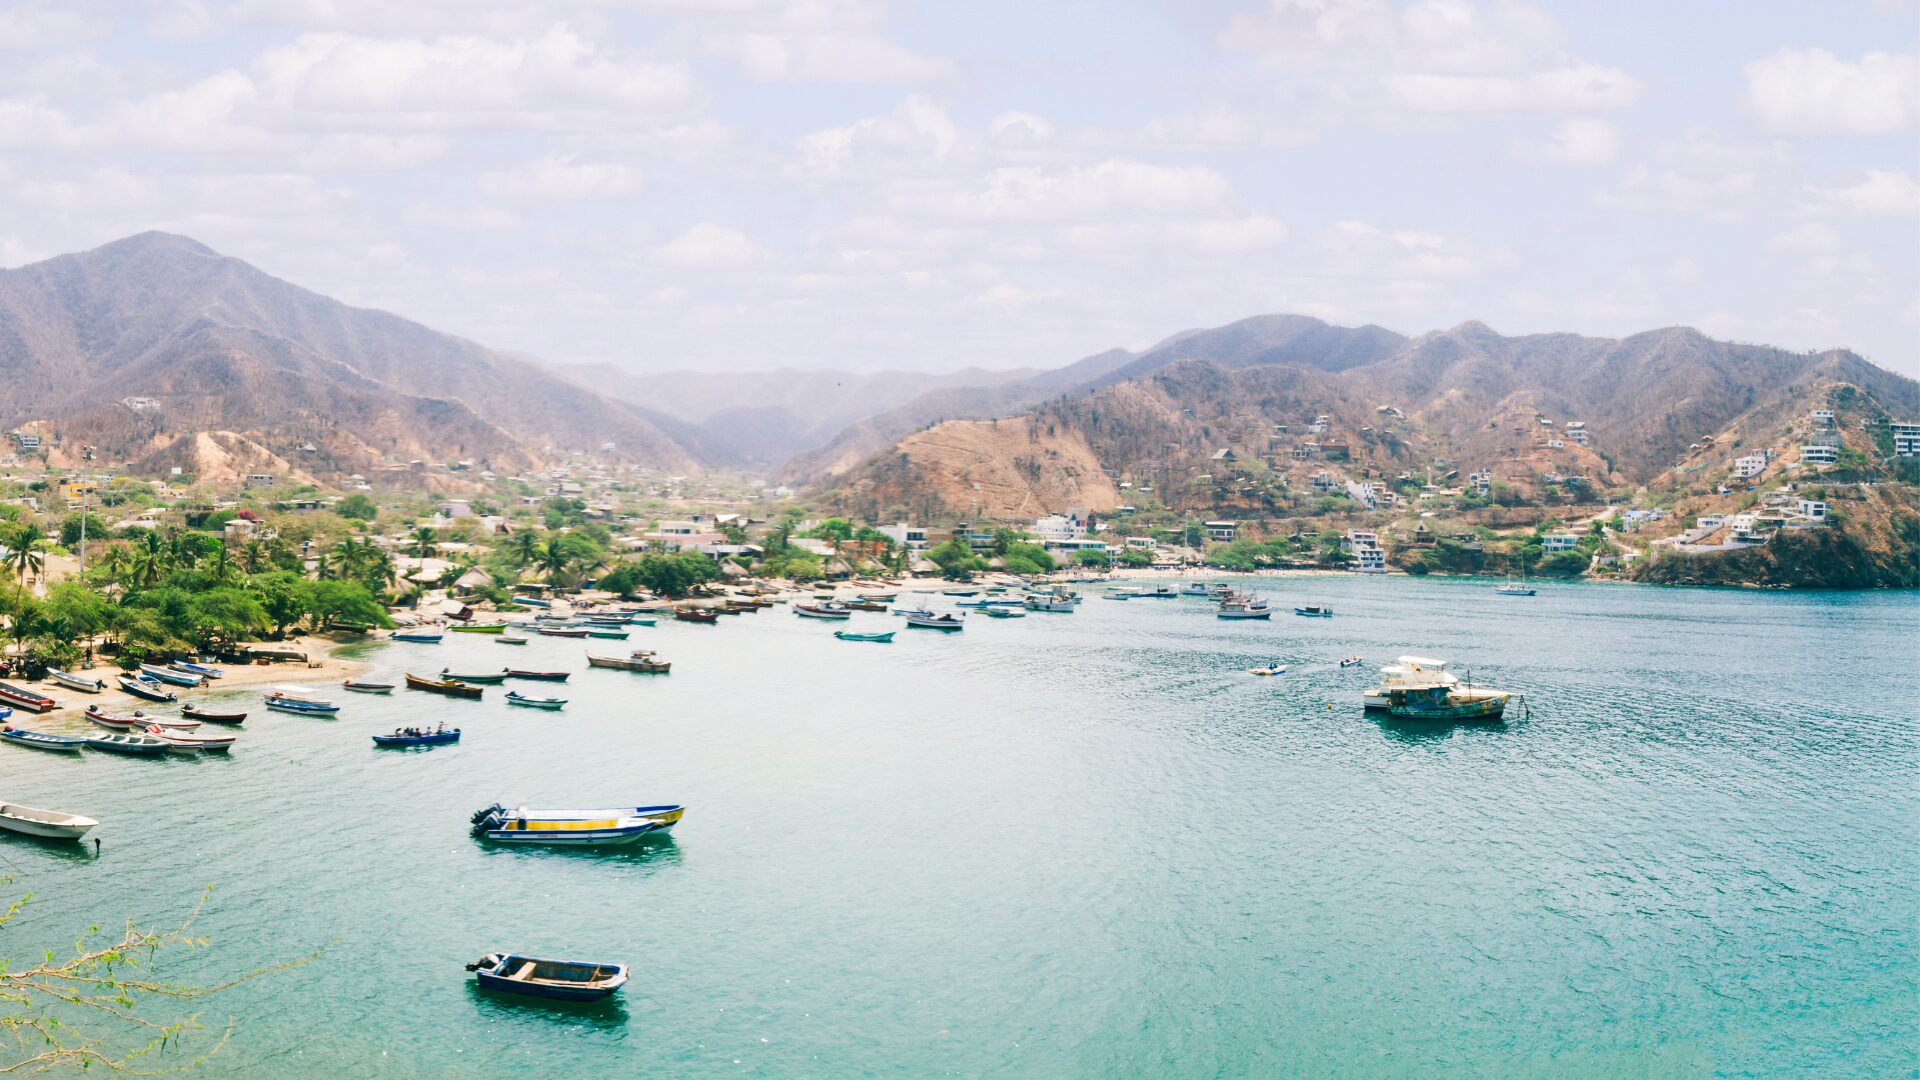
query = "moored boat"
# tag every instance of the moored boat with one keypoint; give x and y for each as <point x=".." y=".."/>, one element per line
<point x="417" y="637"/>
<point x="514" y="697"/>
<point x="447" y="687"/>
<point x="696" y="615"/>
<point x="479" y="628"/>
<point x="1447" y="703"/>
<point x="76" y="682"/>
<point x="1407" y="671"/>
<point x="168" y="675"/>
<point x="1004" y="612"/>
<point x="936" y="622"/>
<point x="561" y="631"/>
<point x="1314" y="611"/>
<point x="477" y="677"/>
<point x="848" y="635"/>
<point x="145" y="686"/>
<point x="569" y="828"/>
<point x="1058" y="602"/>
<point x="40" y="740"/>
<point x="562" y="980"/>
<point x="212" y="717"/>
<point x="510" y="639"/>
<point x="21" y="697"/>
<point x="822" y="611"/>
<point x="51" y="824"/>
<point x="542" y="676"/>
<point x="1352" y="660"/>
<point x="298" y="699"/>
<point x="135" y="745"/>
<point x="360" y="686"/>
<point x="640" y="662"/>
<point x="187" y="743"/>
<point x="612" y="635"/>
<point x="1244" y="607"/>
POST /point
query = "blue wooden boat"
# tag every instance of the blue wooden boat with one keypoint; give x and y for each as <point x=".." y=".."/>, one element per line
<point x="562" y="980"/>
<point x="596" y="632"/>
<point x="1314" y="611"/>
<point x="422" y="738"/>
<point x="168" y="675"/>
<point x="201" y="670"/>
<point x="145" y="686"/>
<point x="40" y="740"/>
<point x="417" y="638"/>
<point x="285" y="703"/>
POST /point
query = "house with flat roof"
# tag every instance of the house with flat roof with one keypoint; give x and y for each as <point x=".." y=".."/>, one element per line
<point x="1222" y="531"/>
<point x="1749" y="465"/>
<point x="1906" y="439"/>
<point x="1819" y="454"/>
<point x="1553" y="542"/>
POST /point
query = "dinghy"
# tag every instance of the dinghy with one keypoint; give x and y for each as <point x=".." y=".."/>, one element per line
<point x="41" y="740"/>
<point x="562" y="980"/>
<point x="550" y="703"/>
<point x="51" y="824"/>
<point x="848" y="635"/>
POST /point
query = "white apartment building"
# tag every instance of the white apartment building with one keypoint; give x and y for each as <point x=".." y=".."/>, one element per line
<point x="1749" y="465"/>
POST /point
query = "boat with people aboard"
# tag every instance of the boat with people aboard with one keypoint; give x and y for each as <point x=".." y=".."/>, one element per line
<point x="202" y="670"/>
<point x="77" y="682"/>
<point x="600" y="827"/>
<point x="41" y="740"/>
<point x="168" y="675"/>
<point x="22" y="698"/>
<point x="51" y="824"/>
<point x="822" y="611"/>
<point x="515" y="697"/>
<point x="1407" y="671"/>
<point x="183" y="742"/>
<point x="444" y="687"/>
<point x="1274" y="667"/>
<point x="478" y="677"/>
<point x="1351" y="661"/>
<point x="417" y="637"/>
<point x="362" y="686"/>
<point x="1315" y="611"/>
<point x="542" y="676"/>
<point x="142" y="685"/>
<point x="560" y="980"/>
<point x="929" y="621"/>
<point x="1447" y="703"/>
<point x="132" y="745"/>
<point x="641" y="661"/>
<point x="411" y="736"/>
<point x="848" y="635"/>
<point x="212" y="716"/>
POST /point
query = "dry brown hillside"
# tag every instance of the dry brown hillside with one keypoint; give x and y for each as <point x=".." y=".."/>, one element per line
<point x="997" y="469"/>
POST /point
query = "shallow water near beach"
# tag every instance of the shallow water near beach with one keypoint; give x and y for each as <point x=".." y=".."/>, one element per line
<point x="1085" y="845"/>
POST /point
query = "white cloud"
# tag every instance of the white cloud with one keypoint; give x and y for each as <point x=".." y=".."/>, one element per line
<point x="919" y="128"/>
<point x="1114" y="185"/>
<point x="1577" y="141"/>
<point x="1706" y="173"/>
<point x="1683" y="271"/>
<point x="1881" y="193"/>
<point x="707" y="246"/>
<point x="1810" y="238"/>
<point x="45" y="27"/>
<point x="1813" y="92"/>
<point x="564" y="179"/>
<point x="829" y="58"/>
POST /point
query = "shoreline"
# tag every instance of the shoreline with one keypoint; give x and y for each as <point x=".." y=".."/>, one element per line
<point x="323" y="665"/>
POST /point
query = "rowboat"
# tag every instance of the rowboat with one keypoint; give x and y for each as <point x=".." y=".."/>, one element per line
<point x="75" y="682"/>
<point x="138" y="745"/>
<point x="564" y="980"/>
<point x="417" y="737"/>
<point x="574" y="827"/>
<point x="183" y="743"/>
<point x="510" y="639"/>
<point x="1314" y="611"/>
<point x="51" y="824"/>
<point x="616" y="635"/>
<point x="298" y="699"/>
<point x="561" y="631"/>
<point x="699" y="615"/>
<point x="821" y="611"/>
<point x="40" y="740"/>
<point x="361" y="687"/>
<point x="960" y="592"/>
<point x="201" y="670"/>
<point x="486" y="677"/>
<point x="643" y="664"/>
<point x="848" y="635"/>
<point x="416" y="637"/>
<point x="212" y="717"/>
<point x="936" y="622"/>
<point x="135" y="722"/>
<point x="145" y="686"/>
<point x="21" y="697"/>
<point x="479" y="628"/>
<point x="542" y="676"/>
<point x="168" y="675"/>
<point x="448" y="687"/>
<point x="1004" y="613"/>
<point x="515" y="698"/>
<point x="603" y="621"/>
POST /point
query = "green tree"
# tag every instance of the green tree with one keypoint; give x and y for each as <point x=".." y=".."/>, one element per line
<point x="1093" y="558"/>
<point x="358" y="507"/>
<point x="425" y="542"/>
<point x="1134" y="558"/>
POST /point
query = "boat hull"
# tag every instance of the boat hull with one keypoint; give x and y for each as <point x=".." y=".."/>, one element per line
<point x="400" y="741"/>
<point x="40" y="740"/>
<point x="44" y="823"/>
<point x="580" y="982"/>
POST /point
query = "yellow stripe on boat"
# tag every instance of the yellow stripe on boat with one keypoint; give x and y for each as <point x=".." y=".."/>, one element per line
<point x="564" y="826"/>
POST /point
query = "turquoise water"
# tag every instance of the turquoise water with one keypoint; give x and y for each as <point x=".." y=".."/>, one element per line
<point x="1081" y="845"/>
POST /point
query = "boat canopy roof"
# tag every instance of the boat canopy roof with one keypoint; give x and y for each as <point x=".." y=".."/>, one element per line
<point x="1422" y="662"/>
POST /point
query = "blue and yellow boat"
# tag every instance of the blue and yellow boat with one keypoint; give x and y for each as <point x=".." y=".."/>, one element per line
<point x="574" y="827"/>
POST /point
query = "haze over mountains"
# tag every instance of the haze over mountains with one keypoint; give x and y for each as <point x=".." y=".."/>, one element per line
<point x="163" y="353"/>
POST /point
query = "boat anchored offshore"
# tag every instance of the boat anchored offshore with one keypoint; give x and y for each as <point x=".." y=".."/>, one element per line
<point x="445" y="687"/>
<point x="563" y="980"/>
<point x="1315" y="611"/>
<point x="848" y="635"/>
<point x="51" y="824"/>
<point x="514" y="697"/>
<point x="591" y="827"/>
<point x="1447" y="703"/>
<point x="299" y="699"/>
<point x="1407" y="671"/>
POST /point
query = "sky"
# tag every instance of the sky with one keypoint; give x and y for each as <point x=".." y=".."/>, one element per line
<point x="855" y="184"/>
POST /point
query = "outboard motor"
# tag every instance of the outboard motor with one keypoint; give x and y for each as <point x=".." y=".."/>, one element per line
<point x="490" y="818"/>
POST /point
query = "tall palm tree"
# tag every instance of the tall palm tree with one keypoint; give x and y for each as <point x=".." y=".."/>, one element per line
<point x="23" y="551"/>
<point x="523" y="548"/>
<point x="556" y="558"/>
<point x="254" y="555"/>
<point x="425" y="542"/>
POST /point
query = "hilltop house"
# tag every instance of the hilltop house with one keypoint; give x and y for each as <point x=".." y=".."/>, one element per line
<point x="1223" y="531"/>
<point x="1819" y="454"/>
<point x="1553" y="542"/>
<point x="1906" y="439"/>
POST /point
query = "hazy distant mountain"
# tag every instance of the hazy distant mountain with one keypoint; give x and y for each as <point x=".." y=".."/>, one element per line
<point x="141" y="346"/>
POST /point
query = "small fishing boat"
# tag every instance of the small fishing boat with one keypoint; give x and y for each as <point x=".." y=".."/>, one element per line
<point x="699" y="615"/>
<point x="1004" y="612"/>
<point x="76" y="682"/>
<point x="360" y="686"/>
<point x="574" y="827"/>
<point x="606" y="623"/>
<point x="21" y="697"/>
<point x="1244" y="609"/>
<point x="183" y="743"/>
<point x="1052" y="602"/>
<point x="211" y="717"/>
<point x="145" y="686"/>
<point x="643" y="663"/>
<point x="479" y="628"/>
<point x="614" y="635"/>
<point x="960" y="592"/>
<point x="1407" y="671"/>
<point x="927" y="612"/>
<point x="510" y="639"/>
<point x="561" y="631"/>
<point x="542" y="676"/>
<point x="1164" y="592"/>
<point x="418" y="737"/>
<point x="1274" y="668"/>
<point x="848" y="635"/>
<point x="563" y="980"/>
<point x="1314" y="611"/>
<point x="1352" y="661"/>
<point x="168" y="675"/>
<point x="417" y="637"/>
<point x="514" y="697"/>
<point x="201" y="670"/>
<point x="822" y="611"/>
<point x="865" y="605"/>
<point x="936" y="622"/>
<point x="448" y="687"/>
<point x="40" y="740"/>
<point x="137" y="721"/>
<point x="136" y="745"/>
<point x="477" y="677"/>
<point x="1513" y="588"/>
<point x="298" y="699"/>
<point x="51" y="824"/>
<point x="529" y="601"/>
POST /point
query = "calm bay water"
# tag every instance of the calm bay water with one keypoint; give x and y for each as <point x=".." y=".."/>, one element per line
<point x="1083" y="845"/>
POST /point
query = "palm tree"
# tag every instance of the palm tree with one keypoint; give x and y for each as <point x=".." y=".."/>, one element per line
<point x="556" y="558"/>
<point x="426" y="542"/>
<point x="254" y="555"/>
<point x="23" y="551"/>
<point x="523" y="548"/>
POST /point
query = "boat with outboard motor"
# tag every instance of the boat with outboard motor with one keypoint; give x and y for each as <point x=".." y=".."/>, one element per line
<point x="142" y="685"/>
<point x="77" y="682"/>
<point x="443" y="687"/>
<point x="574" y="827"/>
<point x="22" y="698"/>
<point x="561" y="980"/>
<point x="210" y="716"/>
<point x="551" y="704"/>
<point x="40" y="740"/>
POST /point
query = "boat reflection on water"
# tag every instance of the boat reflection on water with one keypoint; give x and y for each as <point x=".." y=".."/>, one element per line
<point x="655" y="850"/>
<point x="603" y="1015"/>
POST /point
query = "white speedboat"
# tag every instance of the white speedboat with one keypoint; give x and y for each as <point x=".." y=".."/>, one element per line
<point x="1408" y="672"/>
<point x="48" y="823"/>
<point x="574" y="827"/>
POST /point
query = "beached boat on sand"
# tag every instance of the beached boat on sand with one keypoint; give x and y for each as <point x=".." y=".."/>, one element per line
<point x="51" y="824"/>
<point x="76" y="682"/>
<point x="145" y="686"/>
<point x="22" y="698"/>
<point x="168" y="675"/>
<point x="201" y="670"/>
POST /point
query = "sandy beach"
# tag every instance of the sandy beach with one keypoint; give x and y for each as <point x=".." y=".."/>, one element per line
<point x="322" y="667"/>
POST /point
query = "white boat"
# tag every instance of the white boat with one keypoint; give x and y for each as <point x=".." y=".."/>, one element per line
<point x="1408" y="672"/>
<point x="304" y="694"/>
<point x="48" y="823"/>
<point x="184" y="743"/>
<point x="76" y="682"/>
<point x="1050" y="602"/>
<point x="929" y="621"/>
<point x="1244" y="607"/>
